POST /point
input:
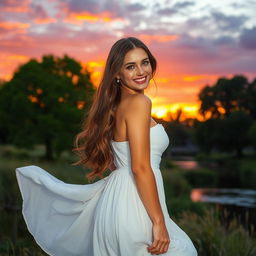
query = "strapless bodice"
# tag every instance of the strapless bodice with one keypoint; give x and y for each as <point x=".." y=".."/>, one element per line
<point x="159" y="141"/>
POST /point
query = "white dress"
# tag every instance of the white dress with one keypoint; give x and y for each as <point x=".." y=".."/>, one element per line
<point x="105" y="218"/>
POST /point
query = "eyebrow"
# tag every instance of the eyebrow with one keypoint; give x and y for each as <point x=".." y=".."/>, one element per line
<point x="129" y="63"/>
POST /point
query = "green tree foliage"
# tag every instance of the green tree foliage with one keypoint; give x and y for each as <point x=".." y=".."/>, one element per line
<point x="44" y="103"/>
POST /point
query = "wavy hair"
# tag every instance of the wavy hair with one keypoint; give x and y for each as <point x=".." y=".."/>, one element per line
<point x="93" y="144"/>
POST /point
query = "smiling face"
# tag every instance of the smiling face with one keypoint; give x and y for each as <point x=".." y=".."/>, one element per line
<point x="136" y="70"/>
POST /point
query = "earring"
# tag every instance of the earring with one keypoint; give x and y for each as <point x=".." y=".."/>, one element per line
<point x="118" y="80"/>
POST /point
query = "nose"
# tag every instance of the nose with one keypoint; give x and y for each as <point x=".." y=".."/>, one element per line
<point x="140" y="70"/>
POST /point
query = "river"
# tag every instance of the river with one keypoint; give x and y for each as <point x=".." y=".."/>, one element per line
<point x="237" y="202"/>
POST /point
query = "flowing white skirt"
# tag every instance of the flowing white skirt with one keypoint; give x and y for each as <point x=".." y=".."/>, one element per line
<point x="105" y="218"/>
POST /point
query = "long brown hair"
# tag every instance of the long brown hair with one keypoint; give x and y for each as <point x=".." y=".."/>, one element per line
<point x="92" y="144"/>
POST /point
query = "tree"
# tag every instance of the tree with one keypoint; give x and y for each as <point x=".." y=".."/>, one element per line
<point x="44" y="102"/>
<point x="225" y="96"/>
<point x="226" y="134"/>
<point x="178" y="132"/>
<point x="252" y="134"/>
<point x="232" y="132"/>
<point x="205" y="135"/>
<point x="250" y="103"/>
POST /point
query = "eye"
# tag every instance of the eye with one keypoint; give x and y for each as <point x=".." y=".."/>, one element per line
<point x="145" y="62"/>
<point x="130" y="67"/>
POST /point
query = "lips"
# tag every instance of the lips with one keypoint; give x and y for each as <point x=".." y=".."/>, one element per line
<point x="141" y="80"/>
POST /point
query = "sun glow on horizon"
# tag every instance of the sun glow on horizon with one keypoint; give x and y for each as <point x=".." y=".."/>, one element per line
<point x="96" y="69"/>
<point x="169" y="111"/>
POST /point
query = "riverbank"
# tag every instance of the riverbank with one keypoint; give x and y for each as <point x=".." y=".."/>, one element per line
<point x="220" y="181"/>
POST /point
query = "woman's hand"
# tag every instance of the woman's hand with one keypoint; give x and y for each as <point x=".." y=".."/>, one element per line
<point x="161" y="239"/>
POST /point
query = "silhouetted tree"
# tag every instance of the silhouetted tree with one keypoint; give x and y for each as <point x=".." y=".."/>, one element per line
<point x="252" y="134"/>
<point x="205" y="135"/>
<point x="232" y="132"/>
<point x="178" y="132"/>
<point x="225" y="96"/>
<point x="44" y="103"/>
<point x="226" y="134"/>
<point x="250" y="103"/>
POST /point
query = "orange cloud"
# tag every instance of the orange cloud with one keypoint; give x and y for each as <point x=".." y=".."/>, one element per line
<point x="191" y="78"/>
<point x="186" y="83"/>
<point x="13" y="25"/>
<point x="44" y="20"/>
<point x="195" y="78"/>
<point x="163" y="80"/>
<point x="79" y="18"/>
<point x="21" y="9"/>
<point x="158" y="38"/>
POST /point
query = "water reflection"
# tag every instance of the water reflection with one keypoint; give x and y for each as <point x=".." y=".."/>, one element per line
<point x="187" y="165"/>
<point x="237" y="197"/>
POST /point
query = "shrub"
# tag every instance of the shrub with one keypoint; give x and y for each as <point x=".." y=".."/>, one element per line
<point x="202" y="178"/>
<point x="175" y="184"/>
<point x="247" y="177"/>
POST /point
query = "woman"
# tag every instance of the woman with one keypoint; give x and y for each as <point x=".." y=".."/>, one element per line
<point x="125" y="212"/>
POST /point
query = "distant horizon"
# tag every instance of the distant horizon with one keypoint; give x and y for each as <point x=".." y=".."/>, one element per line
<point x="195" y="42"/>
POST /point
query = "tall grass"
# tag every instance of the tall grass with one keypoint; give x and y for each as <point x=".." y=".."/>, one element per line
<point x="212" y="238"/>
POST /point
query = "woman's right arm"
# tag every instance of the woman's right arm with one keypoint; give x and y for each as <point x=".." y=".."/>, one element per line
<point x="138" y="120"/>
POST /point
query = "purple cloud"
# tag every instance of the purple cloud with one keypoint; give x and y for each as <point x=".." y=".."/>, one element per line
<point x="179" y="6"/>
<point x="135" y="7"/>
<point x="38" y="11"/>
<point x="248" y="39"/>
<point x="82" y="5"/>
<point x="228" y="22"/>
<point x="92" y="6"/>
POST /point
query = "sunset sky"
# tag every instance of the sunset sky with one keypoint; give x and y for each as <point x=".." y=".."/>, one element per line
<point x="195" y="42"/>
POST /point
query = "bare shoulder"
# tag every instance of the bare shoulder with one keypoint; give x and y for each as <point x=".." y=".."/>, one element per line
<point x="139" y="101"/>
<point x="138" y="110"/>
